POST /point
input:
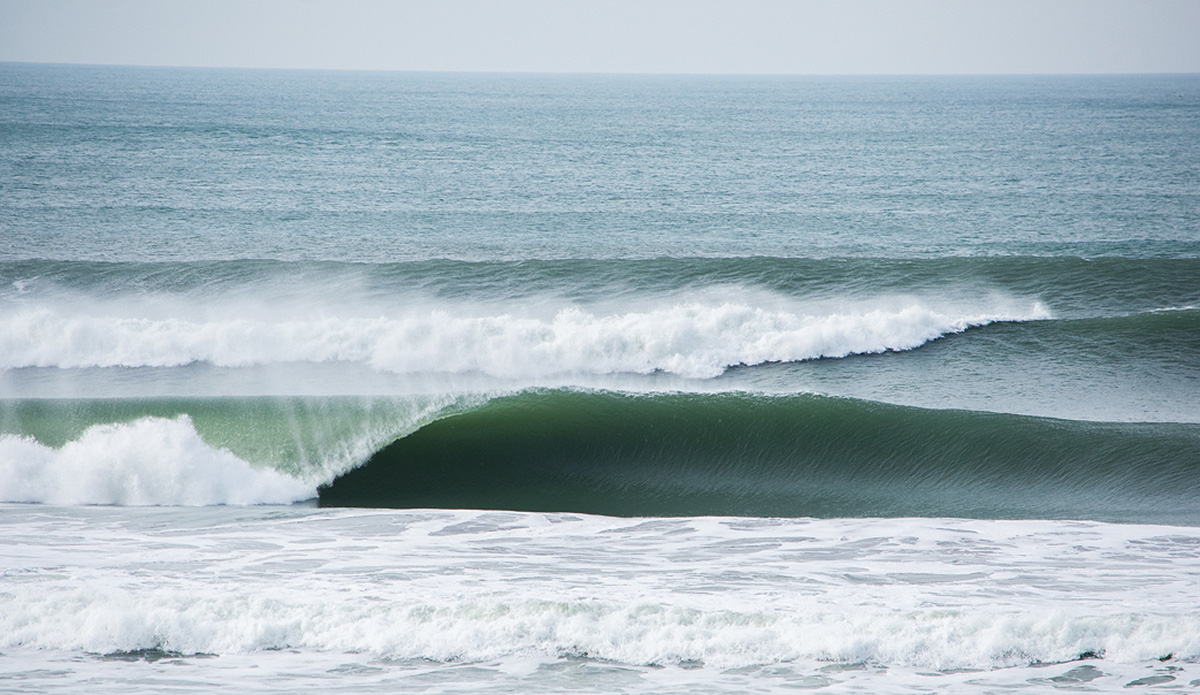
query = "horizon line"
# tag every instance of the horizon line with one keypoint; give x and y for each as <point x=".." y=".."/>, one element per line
<point x="567" y="73"/>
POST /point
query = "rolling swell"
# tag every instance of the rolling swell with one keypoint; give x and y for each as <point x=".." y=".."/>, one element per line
<point x="799" y="455"/>
<point x="1077" y="286"/>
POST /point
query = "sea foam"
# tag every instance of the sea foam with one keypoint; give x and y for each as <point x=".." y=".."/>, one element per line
<point x="152" y="461"/>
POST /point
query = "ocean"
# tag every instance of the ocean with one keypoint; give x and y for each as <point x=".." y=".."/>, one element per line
<point x="445" y="383"/>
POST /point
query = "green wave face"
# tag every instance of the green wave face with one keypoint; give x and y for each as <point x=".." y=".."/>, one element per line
<point x="801" y="455"/>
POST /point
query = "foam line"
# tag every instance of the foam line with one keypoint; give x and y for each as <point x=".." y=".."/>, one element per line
<point x="104" y="620"/>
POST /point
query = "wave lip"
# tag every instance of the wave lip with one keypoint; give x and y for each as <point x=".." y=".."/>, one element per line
<point x="152" y="461"/>
<point x="696" y="339"/>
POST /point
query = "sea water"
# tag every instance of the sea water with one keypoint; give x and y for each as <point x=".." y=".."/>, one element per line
<point x="500" y="383"/>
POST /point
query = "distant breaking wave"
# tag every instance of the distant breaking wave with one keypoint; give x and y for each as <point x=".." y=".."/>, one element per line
<point x="688" y="339"/>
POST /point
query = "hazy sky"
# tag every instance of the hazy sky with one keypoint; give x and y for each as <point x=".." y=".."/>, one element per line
<point x="749" y="36"/>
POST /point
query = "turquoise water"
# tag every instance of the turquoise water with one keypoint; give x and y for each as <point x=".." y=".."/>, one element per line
<point x="888" y="303"/>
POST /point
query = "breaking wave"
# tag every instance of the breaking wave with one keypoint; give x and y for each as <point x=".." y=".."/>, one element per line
<point x="689" y="339"/>
<point x="153" y="461"/>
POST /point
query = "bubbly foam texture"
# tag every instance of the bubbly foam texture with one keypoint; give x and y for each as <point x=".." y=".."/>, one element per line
<point x="692" y="339"/>
<point x="470" y="586"/>
<point x="103" y="621"/>
<point x="153" y="461"/>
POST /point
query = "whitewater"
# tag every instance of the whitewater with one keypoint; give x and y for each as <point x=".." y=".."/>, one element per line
<point x="444" y="601"/>
<point x="376" y="382"/>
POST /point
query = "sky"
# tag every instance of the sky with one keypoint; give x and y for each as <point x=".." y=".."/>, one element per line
<point x="615" y="36"/>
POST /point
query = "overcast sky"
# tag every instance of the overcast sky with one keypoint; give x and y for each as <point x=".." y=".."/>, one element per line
<point x="662" y="36"/>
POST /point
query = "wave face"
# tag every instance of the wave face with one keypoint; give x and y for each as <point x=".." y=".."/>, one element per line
<point x="800" y="455"/>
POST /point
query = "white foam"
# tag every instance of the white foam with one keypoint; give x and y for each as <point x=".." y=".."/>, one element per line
<point x="153" y="461"/>
<point x="692" y="339"/>
<point x="106" y="619"/>
<point x="455" y="586"/>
